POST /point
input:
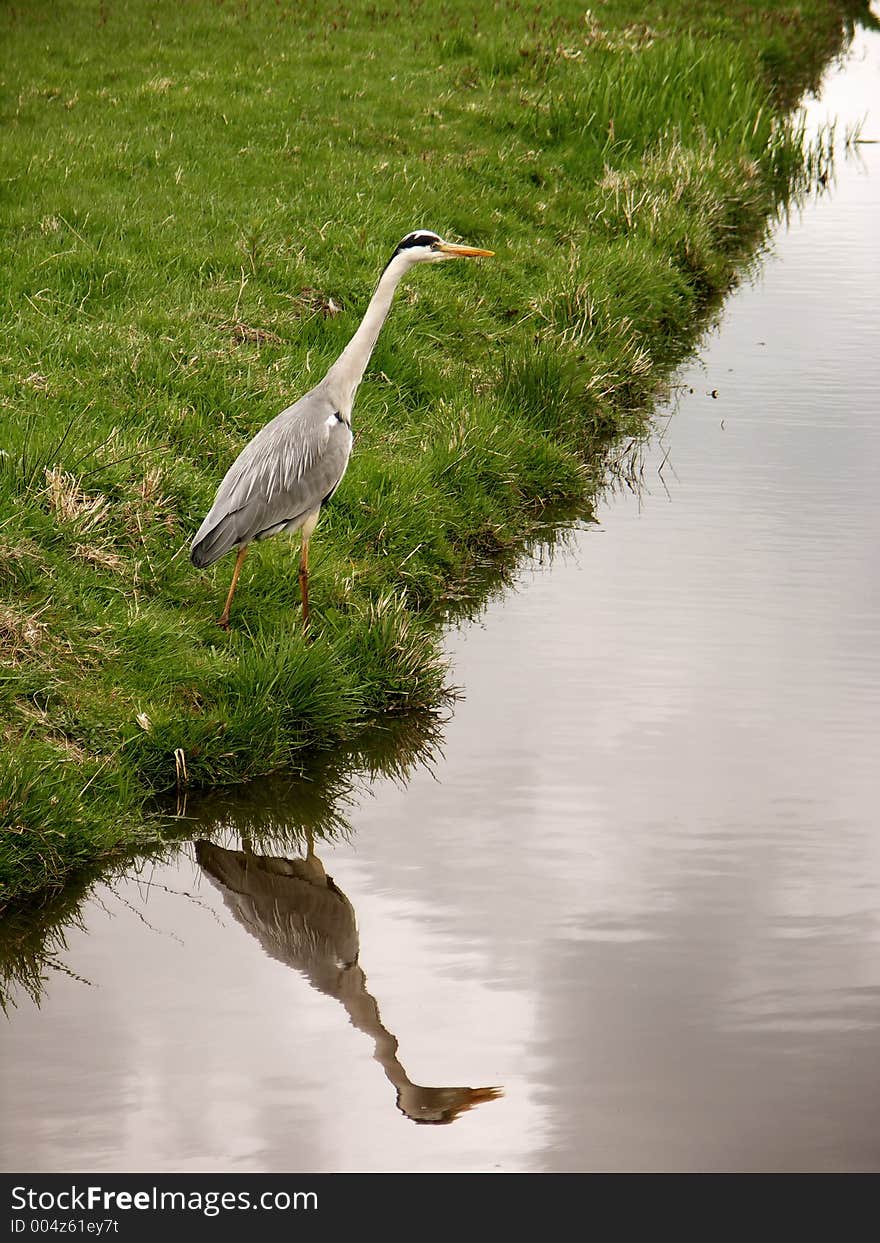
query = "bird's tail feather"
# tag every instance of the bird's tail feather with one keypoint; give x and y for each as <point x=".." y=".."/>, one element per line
<point x="209" y="546"/>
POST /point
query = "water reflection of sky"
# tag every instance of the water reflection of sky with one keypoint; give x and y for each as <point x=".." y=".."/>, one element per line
<point x="644" y="894"/>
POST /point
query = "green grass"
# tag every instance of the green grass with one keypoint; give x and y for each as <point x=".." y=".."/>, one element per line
<point x="187" y="193"/>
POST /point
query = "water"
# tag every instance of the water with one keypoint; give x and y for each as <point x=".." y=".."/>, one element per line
<point x="640" y="893"/>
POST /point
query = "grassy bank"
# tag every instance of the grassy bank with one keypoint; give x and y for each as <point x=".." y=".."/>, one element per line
<point x="196" y="201"/>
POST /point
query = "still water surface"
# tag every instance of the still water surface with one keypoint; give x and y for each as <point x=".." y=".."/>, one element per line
<point x="640" y="891"/>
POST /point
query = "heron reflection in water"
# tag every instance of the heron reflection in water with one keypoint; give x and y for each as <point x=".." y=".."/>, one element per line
<point x="303" y="919"/>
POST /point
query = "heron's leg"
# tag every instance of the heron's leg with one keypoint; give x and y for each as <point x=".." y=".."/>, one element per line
<point x="307" y="528"/>
<point x="223" y="619"/>
<point x="303" y="581"/>
<point x="314" y="864"/>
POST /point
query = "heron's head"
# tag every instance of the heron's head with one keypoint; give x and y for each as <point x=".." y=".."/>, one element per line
<point x="423" y="246"/>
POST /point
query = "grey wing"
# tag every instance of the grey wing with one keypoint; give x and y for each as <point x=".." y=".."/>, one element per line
<point x="285" y="473"/>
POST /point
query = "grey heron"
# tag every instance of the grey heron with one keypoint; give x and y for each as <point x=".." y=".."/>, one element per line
<point x="295" y="463"/>
<point x="304" y="920"/>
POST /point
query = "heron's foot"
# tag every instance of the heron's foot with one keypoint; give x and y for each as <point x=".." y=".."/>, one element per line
<point x="223" y="622"/>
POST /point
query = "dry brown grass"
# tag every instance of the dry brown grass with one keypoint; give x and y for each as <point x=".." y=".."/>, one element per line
<point x="96" y="555"/>
<point x="16" y="552"/>
<point x="244" y="334"/>
<point x="70" y="504"/>
<point x="21" y="634"/>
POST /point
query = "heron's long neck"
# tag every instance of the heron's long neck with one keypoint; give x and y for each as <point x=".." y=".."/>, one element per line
<point x="347" y="372"/>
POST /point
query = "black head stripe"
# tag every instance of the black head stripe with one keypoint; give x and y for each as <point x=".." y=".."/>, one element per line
<point x="421" y="237"/>
<point x="417" y="239"/>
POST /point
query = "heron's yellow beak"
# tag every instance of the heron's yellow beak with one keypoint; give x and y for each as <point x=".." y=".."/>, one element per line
<point x="463" y="252"/>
